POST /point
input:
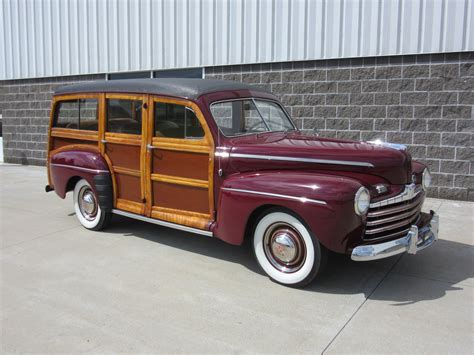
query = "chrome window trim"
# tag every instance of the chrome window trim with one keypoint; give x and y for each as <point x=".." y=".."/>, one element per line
<point x="163" y="223"/>
<point x="410" y="191"/>
<point x="97" y="171"/>
<point x="300" y="199"/>
<point x="302" y="160"/>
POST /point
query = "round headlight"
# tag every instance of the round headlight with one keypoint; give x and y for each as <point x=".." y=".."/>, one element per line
<point x="362" y="201"/>
<point x="426" y="179"/>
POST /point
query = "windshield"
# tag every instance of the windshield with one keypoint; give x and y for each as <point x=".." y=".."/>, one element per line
<point x="249" y="116"/>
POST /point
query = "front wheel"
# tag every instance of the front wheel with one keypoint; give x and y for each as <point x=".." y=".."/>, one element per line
<point x="286" y="250"/>
<point x="87" y="207"/>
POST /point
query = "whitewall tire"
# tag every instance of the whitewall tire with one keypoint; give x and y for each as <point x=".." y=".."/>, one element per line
<point x="86" y="206"/>
<point x="286" y="250"/>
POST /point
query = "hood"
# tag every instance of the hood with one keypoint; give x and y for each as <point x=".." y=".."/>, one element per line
<point x="293" y="150"/>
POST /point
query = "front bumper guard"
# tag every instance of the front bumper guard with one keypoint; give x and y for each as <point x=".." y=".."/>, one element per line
<point x="416" y="239"/>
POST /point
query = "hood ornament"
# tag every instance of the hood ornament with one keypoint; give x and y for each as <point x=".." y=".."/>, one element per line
<point x="388" y="145"/>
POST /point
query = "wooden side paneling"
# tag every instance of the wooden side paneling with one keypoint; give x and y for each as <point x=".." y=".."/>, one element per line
<point x="124" y="156"/>
<point x="128" y="187"/>
<point x="180" y="197"/>
<point x="190" y="219"/>
<point x="130" y="206"/>
<point x="180" y="163"/>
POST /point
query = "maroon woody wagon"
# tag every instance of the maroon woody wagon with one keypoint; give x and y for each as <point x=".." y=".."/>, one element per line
<point x="225" y="160"/>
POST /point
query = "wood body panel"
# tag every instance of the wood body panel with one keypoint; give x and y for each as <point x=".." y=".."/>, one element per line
<point x="172" y="181"/>
<point x="124" y="156"/>
<point x="190" y="219"/>
<point x="180" y="163"/>
<point x="128" y="187"/>
<point x="180" y="173"/>
<point x="180" y="197"/>
<point x="126" y="152"/>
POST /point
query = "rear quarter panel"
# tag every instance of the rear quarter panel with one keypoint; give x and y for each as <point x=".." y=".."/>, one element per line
<point x="68" y="164"/>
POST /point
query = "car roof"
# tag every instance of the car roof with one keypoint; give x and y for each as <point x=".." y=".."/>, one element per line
<point x="178" y="87"/>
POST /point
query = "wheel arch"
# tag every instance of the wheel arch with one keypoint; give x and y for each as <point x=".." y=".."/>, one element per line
<point x="68" y="165"/>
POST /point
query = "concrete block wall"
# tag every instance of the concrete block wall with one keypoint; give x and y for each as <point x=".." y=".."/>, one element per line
<point x="25" y="106"/>
<point x="423" y="101"/>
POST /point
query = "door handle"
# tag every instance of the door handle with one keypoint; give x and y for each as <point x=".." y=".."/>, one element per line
<point x="149" y="147"/>
<point x="103" y="141"/>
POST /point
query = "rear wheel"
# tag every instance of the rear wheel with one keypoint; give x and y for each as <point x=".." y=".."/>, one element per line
<point x="86" y="206"/>
<point x="286" y="250"/>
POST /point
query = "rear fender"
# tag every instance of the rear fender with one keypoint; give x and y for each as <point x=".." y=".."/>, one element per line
<point x="67" y="166"/>
<point x="324" y="202"/>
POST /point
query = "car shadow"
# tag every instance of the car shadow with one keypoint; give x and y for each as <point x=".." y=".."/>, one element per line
<point x="342" y="275"/>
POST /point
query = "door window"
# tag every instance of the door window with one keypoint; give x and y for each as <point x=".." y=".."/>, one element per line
<point x="124" y="116"/>
<point x="176" y="121"/>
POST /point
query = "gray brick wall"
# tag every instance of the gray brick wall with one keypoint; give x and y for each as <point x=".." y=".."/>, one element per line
<point x="423" y="101"/>
<point x="25" y="106"/>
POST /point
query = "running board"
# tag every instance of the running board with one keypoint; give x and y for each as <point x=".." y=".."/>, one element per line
<point x="162" y="223"/>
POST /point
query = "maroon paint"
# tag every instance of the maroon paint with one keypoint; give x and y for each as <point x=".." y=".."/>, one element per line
<point x="235" y="208"/>
<point x="70" y="160"/>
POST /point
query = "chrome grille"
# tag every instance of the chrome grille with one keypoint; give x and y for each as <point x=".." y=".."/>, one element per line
<point x="393" y="217"/>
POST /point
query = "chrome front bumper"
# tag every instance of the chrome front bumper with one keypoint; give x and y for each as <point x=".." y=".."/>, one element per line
<point x="416" y="239"/>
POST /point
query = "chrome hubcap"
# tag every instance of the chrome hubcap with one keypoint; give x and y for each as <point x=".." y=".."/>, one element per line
<point x="284" y="247"/>
<point x="87" y="203"/>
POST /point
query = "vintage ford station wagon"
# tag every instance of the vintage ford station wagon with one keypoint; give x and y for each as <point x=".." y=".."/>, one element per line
<point x="225" y="160"/>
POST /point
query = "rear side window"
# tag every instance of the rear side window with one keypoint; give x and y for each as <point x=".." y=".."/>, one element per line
<point x="77" y="114"/>
<point x="124" y="116"/>
<point x="176" y="121"/>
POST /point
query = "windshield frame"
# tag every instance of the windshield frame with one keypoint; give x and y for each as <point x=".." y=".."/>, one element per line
<point x="253" y="99"/>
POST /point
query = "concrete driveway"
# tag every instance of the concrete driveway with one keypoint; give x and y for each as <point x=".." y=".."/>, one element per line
<point x="138" y="287"/>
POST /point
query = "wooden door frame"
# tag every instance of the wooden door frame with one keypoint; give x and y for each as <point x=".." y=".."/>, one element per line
<point x="125" y="139"/>
<point x="203" y="145"/>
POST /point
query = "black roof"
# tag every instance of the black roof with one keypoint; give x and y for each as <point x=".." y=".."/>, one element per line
<point x="186" y="88"/>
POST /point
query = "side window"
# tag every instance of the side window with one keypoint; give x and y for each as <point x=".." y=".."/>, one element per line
<point x="77" y="114"/>
<point x="124" y="116"/>
<point x="176" y="121"/>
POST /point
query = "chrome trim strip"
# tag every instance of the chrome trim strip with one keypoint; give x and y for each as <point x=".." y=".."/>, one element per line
<point x="302" y="160"/>
<point x="163" y="223"/>
<point x="97" y="171"/>
<point x="300" y="199"/>
<point x="415" y="240"/>
<point x="408" y="193"/>
<point x="395" y="146"/>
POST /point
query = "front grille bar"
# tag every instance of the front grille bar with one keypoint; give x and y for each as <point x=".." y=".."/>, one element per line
<point x="387" y="211"/>
<point x="391" y="226"/>
<point x="393" y="218"/>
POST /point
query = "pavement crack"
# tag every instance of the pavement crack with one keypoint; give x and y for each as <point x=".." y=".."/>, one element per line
<point x="361" y="305"/>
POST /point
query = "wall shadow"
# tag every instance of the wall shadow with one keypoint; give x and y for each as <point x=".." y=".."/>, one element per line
<point x="341" y="276"/>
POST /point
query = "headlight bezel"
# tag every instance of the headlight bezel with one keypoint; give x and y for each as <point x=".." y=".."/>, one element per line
<point x="426" y="179"/>
<point x="361" y="192"/>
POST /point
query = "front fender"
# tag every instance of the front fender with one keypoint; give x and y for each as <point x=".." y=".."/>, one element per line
<point x="325" y="202"/>
<point x="69" y="164"/>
